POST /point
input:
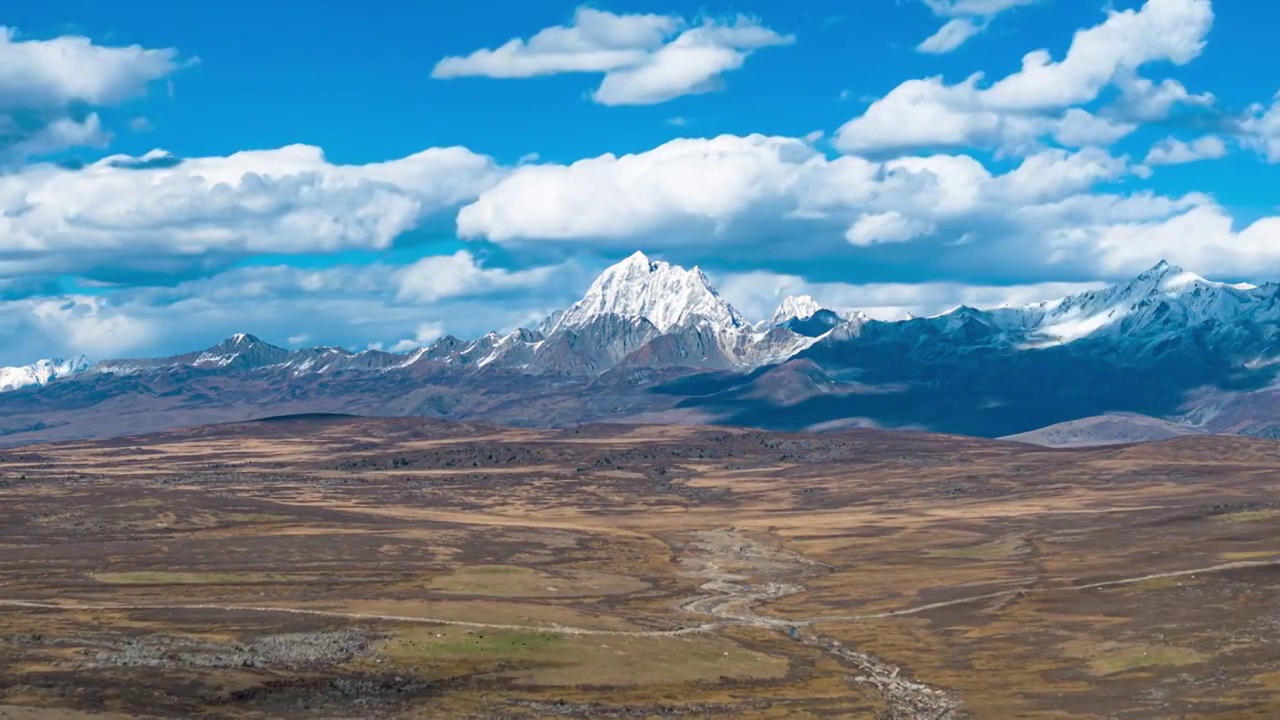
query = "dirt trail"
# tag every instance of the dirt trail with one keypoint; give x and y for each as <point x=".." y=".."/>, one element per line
<point x="738" y="573"/>
<point x="560" y="629"/>
<point x="729" y="597"/>
<point x="1222" y="567"/>
<point x="742" y="572"/>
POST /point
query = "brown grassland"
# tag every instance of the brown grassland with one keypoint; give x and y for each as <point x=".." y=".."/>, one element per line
<point x="360" y="568"/>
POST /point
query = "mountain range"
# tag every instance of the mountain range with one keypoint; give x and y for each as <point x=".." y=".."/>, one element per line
<point x="1164" y="353"/>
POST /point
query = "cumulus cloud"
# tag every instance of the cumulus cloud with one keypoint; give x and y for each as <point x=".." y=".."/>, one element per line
<point x="1079" y="128"/>
<point x="1143" y="100"/>
<point x="1045" y="216"/>
<point x="44" y="84"/>
<point x="1172" y="151"/>
<point x="446" y="276"/>
<point x="705" y="182"/>
<point x="950" y="36"/>
<point x="1054" y="174"/>
<point x="354" y="306"/>
<point x="646" y="59"/>
<point x="85" y="325"/>
<point x="732" y="188"/>
<point x="1201" y="238"/>
<point x="128" y="211"/>
<point x="1014" y="111"/>
<point x="886" y="227"/>
<point x="757" y="293"/>
<point x="1170" y="30"/>
<point x="1259" y="129"/>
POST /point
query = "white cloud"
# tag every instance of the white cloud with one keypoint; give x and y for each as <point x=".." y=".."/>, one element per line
<point x="1014" y="111"/>
<point x="347" y="305"/>
<point x="757" y="293"/>
<point x="1172" y="151"/>
<point x="1041" y="218"/>
<point x="595" y="41"/>
<point x="954" y="8"/>
<point x="968" y="18"/>
<point x="54" y="73"/>
<point x="1200" y="238"/>
<point x="645" y="59"/>
<point x="42" y="80"/>
<point x="1172" y="30"/>
<point x="1260" y="129"/>
<point x="288" y="200"/>
<point x="448" y="276"/>
<point x="705" y="182"/>
<point x="86" y="325"/>
<point x="51" y="136"/>
<point x="736" y="189"/>
<point x="424" y="335"/>
<point x="1053" y="174"/>
<point x="950" y="36"/>
<point x="1079" y="128"/>
<point x="886" y="227"/>
<point x="1143" y="100"/>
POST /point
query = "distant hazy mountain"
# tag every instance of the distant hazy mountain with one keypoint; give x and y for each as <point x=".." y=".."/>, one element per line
<point x="650" y="339"/>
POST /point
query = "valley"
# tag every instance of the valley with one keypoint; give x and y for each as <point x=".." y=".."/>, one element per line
<point x="328" y="566"/>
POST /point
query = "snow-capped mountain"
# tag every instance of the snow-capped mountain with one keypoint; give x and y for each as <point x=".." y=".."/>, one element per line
<point x="804" y="316"/>
<point x="667" y="296"/>
<point x="1165" y="298"/>
<point x="1161" y="303"/>
<point x="641" y="313"/>
<point x="41" y="372"/>
<point x="649" y="336"/>
<point x="795" y="307"/>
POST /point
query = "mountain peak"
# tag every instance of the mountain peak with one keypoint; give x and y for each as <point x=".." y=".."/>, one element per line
<point x="795" y="307"/>
<point x="239" y="350"/>
<point x="1166" y="278"/>
<point x="1159" y="270"/>
<point x="638" y="288"/>
<point x="42" y="372"/>
<point x="637" y="260"/>
<point x="242" y="339"/>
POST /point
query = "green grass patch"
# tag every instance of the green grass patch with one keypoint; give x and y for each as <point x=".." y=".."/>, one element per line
<point x="987" y="551"/>
<point x="494" y="570"/>
<point x="1251" y="555"/>
<point x="1249" y="515"/>
<point x="455" y="643"/>
<point x="1142" y="656"/>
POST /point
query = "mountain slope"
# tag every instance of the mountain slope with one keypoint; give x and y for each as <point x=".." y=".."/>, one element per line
<point x="1114" y="429"/>
<point x="649" y="339"/>
<point x="666" y="295"/>
<point x="41" y="372"/>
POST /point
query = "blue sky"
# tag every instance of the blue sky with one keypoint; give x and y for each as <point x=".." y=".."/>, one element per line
<point x="191" y="171"/>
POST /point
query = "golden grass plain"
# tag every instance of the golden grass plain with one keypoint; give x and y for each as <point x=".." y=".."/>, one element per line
<point x="330" y="567"/>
